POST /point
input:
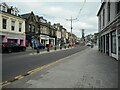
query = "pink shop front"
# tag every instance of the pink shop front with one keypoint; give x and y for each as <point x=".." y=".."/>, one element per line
<point x="20" y="39"/>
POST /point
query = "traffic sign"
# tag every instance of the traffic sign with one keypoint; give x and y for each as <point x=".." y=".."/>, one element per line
<point x="32" y="40"/>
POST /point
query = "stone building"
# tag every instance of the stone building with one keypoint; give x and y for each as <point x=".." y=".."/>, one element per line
<point x="109" y="28"/>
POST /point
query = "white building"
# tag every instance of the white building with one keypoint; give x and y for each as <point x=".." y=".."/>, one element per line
<point x="109" y="28"/>
<point x="12" y="26"/>
<point x="58" y="33"/>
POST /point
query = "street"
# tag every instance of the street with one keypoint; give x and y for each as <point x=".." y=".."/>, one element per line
<point x="64" y="44"/>
<point x="17" y="64"/>
<point x="85" y="69"/>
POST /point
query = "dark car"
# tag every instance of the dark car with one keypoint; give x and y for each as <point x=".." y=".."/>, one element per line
<point x="12" y="47"/>
<point x="39" y="45"/>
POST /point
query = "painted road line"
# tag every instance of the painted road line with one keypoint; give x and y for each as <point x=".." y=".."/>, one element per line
<point x="35" y="70"/>
<point x="19" y="77"/>
<point x="5" y="84"/>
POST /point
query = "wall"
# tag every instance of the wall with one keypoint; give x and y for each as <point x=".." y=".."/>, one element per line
<point x="16" y="19"/>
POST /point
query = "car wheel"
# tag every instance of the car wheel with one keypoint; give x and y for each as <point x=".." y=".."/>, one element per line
<point x="9" y="50"/>
<point x="24" y="49"/>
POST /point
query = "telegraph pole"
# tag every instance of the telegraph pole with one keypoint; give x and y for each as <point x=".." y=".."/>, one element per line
<point x="71" y="20"/>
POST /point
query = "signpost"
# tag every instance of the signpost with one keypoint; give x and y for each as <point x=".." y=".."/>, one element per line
<point x="33" y="43"/>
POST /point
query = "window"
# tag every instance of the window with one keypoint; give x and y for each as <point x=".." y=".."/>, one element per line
<point x="20" y="27"/>
<point x="4" y="21"/>
<point x="118" y="7"/>
<point x="113" y="42"/>
<point x="12" y="25"/>
<point x="16" y="13"/>
<point x="4" y="8"/>
<point x="103" y="17"/>
<point x="108" y="11"/>
<point x="119" y="31"/>
<point x="100" y="22"/>
<point x="33" y="30"/>
<point x="29" y="27"/>
<point x="0" y="8"/>
<point x="12" y="12"/>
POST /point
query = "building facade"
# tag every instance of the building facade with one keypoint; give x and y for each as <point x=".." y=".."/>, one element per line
<point x="44" y="31"/>
<point x="109" y="28"/>
<point x="31" y="27"/>
<point x="58" y="33"/>
<point x="39" y="29"/>
<point x="12" y="26"/>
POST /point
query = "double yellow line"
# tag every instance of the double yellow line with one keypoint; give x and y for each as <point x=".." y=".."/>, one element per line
<point x="5" y="83"/>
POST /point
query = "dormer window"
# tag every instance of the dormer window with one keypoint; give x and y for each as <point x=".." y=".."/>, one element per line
<point x="16" y="13"/>
<point x="0" y="7"/>
<point x="3" y="7"/>
<point x="12" y="12"/>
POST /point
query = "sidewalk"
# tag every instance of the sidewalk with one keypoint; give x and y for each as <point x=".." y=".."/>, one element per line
<point x="85" y="69"/>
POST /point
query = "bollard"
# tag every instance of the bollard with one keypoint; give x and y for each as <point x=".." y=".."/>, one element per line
<point x="68" y="46"/>
<point x="55" y="47"/>
<point x="65" y="47"/>
<point x="48" y="49"/>
<point x="60" y="47"/>
<point x="38" y="50"/>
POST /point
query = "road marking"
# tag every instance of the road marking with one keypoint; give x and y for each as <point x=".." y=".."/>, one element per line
<point x="35" y="70"/>
<point x="19" y="77"/>
<point x="5" y="84"/>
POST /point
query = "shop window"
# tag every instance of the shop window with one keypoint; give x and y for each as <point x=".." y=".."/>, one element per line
<point x="4" y="21"/>
<point x="113" y="42"/>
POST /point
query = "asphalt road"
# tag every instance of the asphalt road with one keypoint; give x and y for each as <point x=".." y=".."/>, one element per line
<point x="16" y="64"/>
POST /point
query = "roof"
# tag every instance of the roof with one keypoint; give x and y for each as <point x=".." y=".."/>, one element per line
<point x="4" y="4"/>
<point x="26" y="15"/>
<point x="103" y="3"/>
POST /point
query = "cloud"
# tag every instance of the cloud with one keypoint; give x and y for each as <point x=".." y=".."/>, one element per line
<point x="51" y="0"/>
<point x="58" y="12"/>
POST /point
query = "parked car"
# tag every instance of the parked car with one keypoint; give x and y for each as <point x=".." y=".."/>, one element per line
<point x="88" y="44"/>
<point x="12" y="47"/>
<point x="77" y="43"/>
<point x="39" y="45"/>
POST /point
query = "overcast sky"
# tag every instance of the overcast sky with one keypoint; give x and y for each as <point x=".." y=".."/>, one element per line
<point x="57" y="11"/>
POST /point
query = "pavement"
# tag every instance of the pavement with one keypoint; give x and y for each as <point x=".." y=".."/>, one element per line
<point x="86" y="69"/>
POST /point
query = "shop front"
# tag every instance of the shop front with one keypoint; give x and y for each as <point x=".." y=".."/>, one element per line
<point x="20" y="39"/>
<point x="44" y="39"/>
<point x="52" y="41"/>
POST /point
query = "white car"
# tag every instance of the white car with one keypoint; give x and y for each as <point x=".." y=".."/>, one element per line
<point x="88" y="44"/>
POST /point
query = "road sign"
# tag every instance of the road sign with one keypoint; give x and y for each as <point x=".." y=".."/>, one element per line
<point x="32" y="41"/>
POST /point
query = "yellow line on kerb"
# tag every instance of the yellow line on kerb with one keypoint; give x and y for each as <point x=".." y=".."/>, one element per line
<point x="35" y="70"/>
<point x="4" y="83"/>
<point x="19" y="77"/>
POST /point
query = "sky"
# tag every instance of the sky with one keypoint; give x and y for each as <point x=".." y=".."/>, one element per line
<point x="58" y="11"/>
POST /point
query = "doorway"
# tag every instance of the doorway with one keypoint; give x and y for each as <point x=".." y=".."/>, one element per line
<point x="119" y="48"/>
<point x="107" y="44"/>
